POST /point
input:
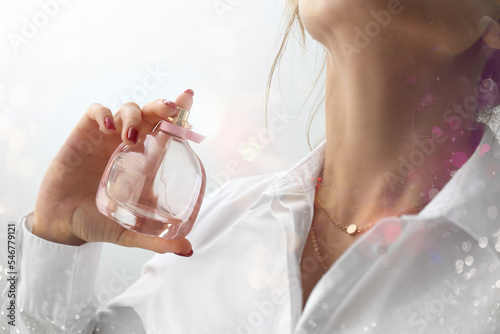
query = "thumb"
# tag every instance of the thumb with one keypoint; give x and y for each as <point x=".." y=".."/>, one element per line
<point x="156" y="244"/>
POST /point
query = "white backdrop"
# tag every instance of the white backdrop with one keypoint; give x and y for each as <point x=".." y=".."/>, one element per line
<point x="59" y="56"/>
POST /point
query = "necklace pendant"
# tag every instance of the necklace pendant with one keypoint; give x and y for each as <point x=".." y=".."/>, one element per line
<point x="352" y="229"/>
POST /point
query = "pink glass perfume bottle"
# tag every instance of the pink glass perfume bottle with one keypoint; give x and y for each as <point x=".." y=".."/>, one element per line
<point x="155" y="187"/>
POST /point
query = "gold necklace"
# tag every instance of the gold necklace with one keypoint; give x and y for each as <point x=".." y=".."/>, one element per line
<point x="316" y="251"/>
<point x="354" y="229"/>
<point x="351" y="229"/>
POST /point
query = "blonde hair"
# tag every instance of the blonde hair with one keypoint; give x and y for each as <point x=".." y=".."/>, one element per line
<point x="293" y="21"/>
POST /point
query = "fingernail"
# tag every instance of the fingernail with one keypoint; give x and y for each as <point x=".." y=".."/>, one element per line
<point x="184" y="254"/>
<point x="132" y="134"/>
<point x="170" y="103"/>
<point x="109" y="124"/>
<point x="189" y="91"/>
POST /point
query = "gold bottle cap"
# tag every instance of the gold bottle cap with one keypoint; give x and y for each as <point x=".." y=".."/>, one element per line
<point x="180" y="119"/>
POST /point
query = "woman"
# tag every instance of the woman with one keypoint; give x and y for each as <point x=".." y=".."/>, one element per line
<point x="319" y="248"/>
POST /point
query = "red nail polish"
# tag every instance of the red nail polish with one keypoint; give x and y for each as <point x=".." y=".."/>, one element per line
<point x="170" y="103"/>
<point x="189" y="91"/>
<point x="184" y="254"/>
<point x="109" y="124"/>
<point x="132" y="134"/>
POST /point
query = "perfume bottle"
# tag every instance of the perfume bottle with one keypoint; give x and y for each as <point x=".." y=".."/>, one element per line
<point x="155" y="187"/>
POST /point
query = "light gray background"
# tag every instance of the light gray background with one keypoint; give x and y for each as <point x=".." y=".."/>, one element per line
<point x="82" y="52"/>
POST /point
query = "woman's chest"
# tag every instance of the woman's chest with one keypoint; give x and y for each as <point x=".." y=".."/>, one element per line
<point x="324" y="245"/>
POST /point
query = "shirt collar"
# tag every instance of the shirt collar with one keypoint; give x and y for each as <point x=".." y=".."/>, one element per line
<point x="301" y="177"/>
<point x="475" y="187"/>
<point x="472" y="196"/>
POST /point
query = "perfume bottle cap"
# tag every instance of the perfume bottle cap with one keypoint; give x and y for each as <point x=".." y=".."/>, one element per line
<point x="182" y="114"/>
<point x="181" y="118"/>
<point x="180" y="127"/>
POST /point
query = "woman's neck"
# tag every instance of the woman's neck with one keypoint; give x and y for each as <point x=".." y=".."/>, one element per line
<point x="396" y="129"/>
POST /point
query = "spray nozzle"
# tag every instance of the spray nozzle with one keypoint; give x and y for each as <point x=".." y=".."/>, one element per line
<point x="181" y="118"/>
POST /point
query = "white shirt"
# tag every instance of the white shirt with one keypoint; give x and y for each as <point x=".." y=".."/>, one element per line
<point x="435" y="272"/>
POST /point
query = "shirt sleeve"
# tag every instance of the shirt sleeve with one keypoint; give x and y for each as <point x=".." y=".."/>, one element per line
<point x="54" y="289"/>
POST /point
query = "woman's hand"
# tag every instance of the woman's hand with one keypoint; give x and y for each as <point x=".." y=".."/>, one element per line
<point x="65" y="210"/>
